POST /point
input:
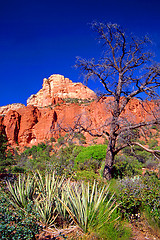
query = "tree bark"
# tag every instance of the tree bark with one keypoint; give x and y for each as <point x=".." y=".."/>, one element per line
<point x="107" y="172"/>
<point x="110" y="155"/>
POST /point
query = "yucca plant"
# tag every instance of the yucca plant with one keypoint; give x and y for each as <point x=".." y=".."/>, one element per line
<point x="87" y="203"/>
<point x="45" y="202"/>
<point x="46" y="210"/>
<point x="22" y="191"/>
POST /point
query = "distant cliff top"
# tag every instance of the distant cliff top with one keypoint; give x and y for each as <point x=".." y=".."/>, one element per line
<point x="57" y="86"/>
<point x="14" y="106"/>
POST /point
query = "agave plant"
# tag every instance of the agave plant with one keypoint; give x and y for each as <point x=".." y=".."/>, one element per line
<point x="22" y="191"/>
<point x="87" y="203"/>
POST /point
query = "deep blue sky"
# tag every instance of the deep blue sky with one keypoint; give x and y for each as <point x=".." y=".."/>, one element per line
<point x="42" y="37"/>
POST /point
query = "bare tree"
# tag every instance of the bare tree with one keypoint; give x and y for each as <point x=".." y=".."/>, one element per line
<point x="126" y="70"/>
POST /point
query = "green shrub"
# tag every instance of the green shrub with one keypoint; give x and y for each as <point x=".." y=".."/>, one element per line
<point x="153" y="143"/>
<point x="62" y="162"/>
<point x="36" y="157"/>
<point x="115" y="230"/>
<point x="86" y="175"/>
<point x="16" y="224"/>
<point x="138" y="195"/>
<point x="138" y="153"/>
<point x="126" y="166"/>
<point x="90" y="157"/>
<point x="151" y="196"/>
<point x="6" y="157"/>
<point x="131" y="196"/>
<point x="17" y="169"/>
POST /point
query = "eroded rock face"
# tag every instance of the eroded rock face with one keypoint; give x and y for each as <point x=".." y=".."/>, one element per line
<point x="12" y="126"/>
<point x="30" y="116"/>
<point x="32" y="125"/>
<point x="56" y="88"/>
<point x="2" y="128"/>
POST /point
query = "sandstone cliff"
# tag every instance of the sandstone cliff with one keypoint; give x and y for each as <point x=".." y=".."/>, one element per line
<point x="31" y="125"/>
<point x="40" y="120"/>
<point x="55" y="88"/>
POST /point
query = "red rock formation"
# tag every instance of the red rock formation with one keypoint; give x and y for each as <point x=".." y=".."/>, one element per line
<point x="2" y="128"/>
<point x="32" y="125"/>
<point x="39" y="120"/>
<point x="12" y="126"/>
<point x="55" y="88"/>
<point x="29" y="118"/>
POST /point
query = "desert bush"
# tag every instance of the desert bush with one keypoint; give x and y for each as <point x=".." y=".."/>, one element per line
<point x="138" y="153"/>
<point x="126" y="166"/>
<point x="130" y="196"/>
<point x="153" y="143"/>
<point x="6" y="156"/>
<point x="34" y="158"/>
<point x="115" y="230"/>
<point x="151" y="196"/>
<point x="90" y="157"/>
<point x="62" y="162"/>
<point x="85" y="175"/>
<point x="140" y="194"/>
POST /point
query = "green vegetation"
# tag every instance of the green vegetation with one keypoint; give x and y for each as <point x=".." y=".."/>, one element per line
<point x="49" y="201"/>
<point x="78" y="101"/>
<point x="138" y="195"/>
<point x="90" y="157"/>
<point x="126" y="166"/>
<point x="6" y="157"/>
<point x="16" y="224"/>
<point x="68" y="191"/>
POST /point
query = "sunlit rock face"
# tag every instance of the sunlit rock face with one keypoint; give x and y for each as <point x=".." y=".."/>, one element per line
<point x="56" y="88"/>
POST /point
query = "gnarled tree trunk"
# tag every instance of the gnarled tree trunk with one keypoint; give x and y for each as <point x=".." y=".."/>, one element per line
<point x="110" y="154"/>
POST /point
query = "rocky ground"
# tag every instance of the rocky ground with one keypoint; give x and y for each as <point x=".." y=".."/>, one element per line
<point x="141" y="230"/>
